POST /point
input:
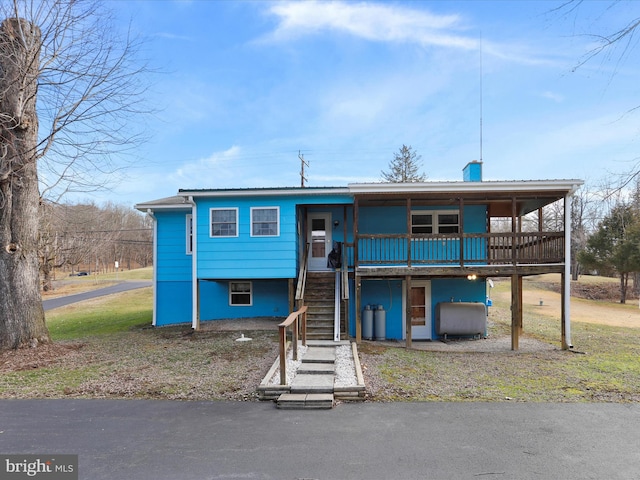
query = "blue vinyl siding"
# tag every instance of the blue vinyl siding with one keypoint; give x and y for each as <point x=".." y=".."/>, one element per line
<point x="460" y="289"/>
<point x="388" y="293"/>
<point x="432" y="251"/>
<point x="173" y="303"/>
<point x="246" y="256"/>
<point x="173" y="262"/>
<point x="389" y="220"/>
<point x="270" y="299"/>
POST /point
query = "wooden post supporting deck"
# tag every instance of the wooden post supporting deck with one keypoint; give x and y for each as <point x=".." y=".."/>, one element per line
<point x="565" y="317"/>
<point x="408" y="311"/>
<point x="358" y="283"/>
<point x="563" y="313"/>
<point x="516" y="310"/>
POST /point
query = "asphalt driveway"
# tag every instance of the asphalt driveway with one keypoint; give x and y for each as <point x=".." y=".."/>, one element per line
<point x="100" y="292"/>
<point x="156" y="440"/>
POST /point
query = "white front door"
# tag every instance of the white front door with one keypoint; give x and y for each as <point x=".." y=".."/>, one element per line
<point x="319" y="236"/>
<point x="420" y="298"/>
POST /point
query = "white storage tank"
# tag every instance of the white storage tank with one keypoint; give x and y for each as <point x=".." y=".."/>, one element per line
<point x="461" y="318"/>
<point x="367" y="323"/>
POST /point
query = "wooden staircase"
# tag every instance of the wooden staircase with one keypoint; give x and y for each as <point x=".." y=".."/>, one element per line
<point x="319" y="297"/>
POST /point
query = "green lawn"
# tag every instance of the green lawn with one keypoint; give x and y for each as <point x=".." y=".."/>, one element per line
<point x="104" y="348"/>
<point x="101" y="316"/>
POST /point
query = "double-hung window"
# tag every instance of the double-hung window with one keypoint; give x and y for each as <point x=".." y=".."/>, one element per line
<point x="224" y="222"/>
<point x="434" y="221"/>
<point x="265" y="221"/>
<point x="240" y="293"/>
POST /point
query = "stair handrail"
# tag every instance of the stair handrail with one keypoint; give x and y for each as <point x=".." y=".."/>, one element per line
<point x="345" y="275"/>
<point x="302" y="275"/>
<point x="292" y="321"/>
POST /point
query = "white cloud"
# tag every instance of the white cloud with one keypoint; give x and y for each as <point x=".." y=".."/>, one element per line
<point x="556" y="97"/>
<point x="397" y="24"/>
<point x="374" y="22"/>
<point x="173" y="36"/>
<point x="208" y="172"/>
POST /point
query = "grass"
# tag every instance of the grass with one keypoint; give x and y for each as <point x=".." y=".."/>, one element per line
<point x="101" y="316"/>
<point x="603" y="366"/>
<point x="105" y="348"/>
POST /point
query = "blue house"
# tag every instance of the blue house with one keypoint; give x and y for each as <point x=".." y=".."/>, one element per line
<point x="414" y="256"/>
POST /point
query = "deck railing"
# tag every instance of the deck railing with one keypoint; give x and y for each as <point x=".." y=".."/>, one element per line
<point x="298" y="322"/>
<point x="455" y="249"/>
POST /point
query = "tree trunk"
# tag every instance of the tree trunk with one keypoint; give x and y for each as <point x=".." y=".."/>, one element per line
<point x="624" y="282"/>
<point x="22" y="319"/>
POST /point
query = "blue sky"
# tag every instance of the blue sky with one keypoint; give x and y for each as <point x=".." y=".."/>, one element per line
<point x="244" y="86"/>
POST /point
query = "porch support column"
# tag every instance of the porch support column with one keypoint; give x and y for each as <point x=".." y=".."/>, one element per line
<point x="514" y="243"/>
<point x="356" y="278"/>
<point x="566" y="277"/>
<point x="461" y="229"/>
<point x="540" y="220"/>
<point x="358" y="285"/>
<point x="409" y="232"/>
<point x="516" y="310"/>
<point x="408" y="311"/>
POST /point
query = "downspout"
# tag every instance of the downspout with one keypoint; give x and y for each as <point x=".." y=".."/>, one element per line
<point x="155" y="263"/>
<point x="567" y="269"/>
<point x="195" y="314"/>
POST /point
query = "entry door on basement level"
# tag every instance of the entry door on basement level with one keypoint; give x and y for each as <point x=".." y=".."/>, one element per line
<point x="421" y="310"/>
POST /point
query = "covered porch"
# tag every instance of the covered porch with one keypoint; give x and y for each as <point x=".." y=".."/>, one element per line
<point x="465" y="245"/>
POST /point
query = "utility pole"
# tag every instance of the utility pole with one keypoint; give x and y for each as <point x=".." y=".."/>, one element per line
<point x="303" y="163"/>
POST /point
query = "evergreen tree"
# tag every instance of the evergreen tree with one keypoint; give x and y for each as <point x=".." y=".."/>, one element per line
<point x="615" y="247"/>
<point x="405" y="167"/>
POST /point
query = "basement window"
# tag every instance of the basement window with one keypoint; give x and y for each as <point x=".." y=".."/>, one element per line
<point x="240" y="294"/>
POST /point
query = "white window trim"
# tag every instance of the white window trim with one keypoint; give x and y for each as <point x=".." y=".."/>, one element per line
<point x="211" y="210"/>
<point x="189" y="232"/>
<point x="250" y="304"/>
<point x="435" y="225"/>
<point x="277" y="209"/>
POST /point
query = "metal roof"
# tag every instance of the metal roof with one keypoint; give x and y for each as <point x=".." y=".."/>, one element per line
<point x="502" y="187"/>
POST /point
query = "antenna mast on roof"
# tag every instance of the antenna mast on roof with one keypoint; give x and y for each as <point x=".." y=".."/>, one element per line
<point x="480" y="96"/>
<point x="303" y="163"/>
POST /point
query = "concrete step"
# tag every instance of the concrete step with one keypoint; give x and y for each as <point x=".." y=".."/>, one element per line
<point x="317" y="369"/>
<point x="319" y="355"/>
<point x="309" y="383"/>
<point x="297" y="401"/>
<point x="327" y="343"/>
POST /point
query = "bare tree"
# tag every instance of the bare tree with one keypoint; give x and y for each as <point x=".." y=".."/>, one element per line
<point x="69" y="86"/>
<point x="613" y="48"/>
